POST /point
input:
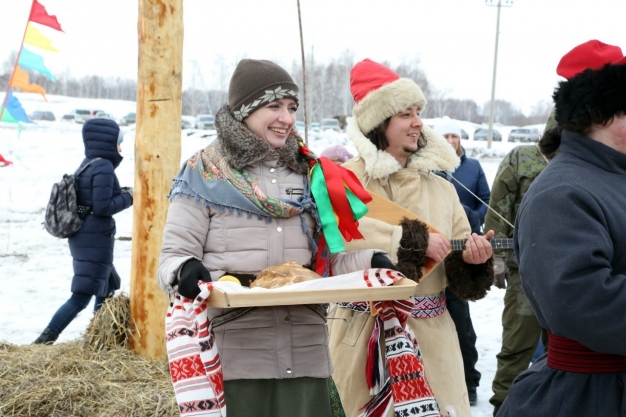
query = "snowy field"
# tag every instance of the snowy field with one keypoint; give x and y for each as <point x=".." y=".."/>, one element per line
<point x="36" y="268"/>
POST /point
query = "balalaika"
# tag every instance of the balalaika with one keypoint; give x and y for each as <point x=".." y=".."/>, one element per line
<point x="459" y="244"/>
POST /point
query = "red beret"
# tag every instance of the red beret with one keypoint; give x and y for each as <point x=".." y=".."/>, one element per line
<point x="593" y="55"/>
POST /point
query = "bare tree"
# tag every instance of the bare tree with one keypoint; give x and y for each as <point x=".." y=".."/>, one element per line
<point x="438" y="103"/>
<point x="327" y="86"/>
<point x="540" y="111"/>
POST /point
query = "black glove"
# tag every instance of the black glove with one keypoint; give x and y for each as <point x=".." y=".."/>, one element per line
<point x="381" y="261"/>
<point x="192" y="272"/>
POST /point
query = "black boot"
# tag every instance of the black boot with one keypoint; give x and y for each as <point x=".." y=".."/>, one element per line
<point x="47" y="337"/>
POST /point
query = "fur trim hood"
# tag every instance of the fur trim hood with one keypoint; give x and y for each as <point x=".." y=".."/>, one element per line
<point x="241" y="147"/>
<point x="437" y="155"/>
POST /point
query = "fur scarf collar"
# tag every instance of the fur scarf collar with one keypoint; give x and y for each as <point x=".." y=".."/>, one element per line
<point x="241" y="147"/>
<point x="437" y="155"/>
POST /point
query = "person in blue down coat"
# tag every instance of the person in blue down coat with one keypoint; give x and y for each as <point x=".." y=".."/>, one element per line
<point x="99" y="197"/>
<point x="469" y="174"/>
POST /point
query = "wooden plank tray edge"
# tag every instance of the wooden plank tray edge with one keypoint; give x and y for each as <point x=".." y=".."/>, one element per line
<point x="401" y="290"/>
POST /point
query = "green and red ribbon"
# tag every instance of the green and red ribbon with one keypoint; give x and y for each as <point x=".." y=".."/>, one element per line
<point x="341" y="201"/>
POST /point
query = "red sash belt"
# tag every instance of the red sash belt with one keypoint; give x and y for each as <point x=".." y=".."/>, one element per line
<point x="568" y="355"/>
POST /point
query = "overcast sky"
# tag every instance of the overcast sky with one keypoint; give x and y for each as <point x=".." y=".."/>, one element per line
<point x="454" y="40"/>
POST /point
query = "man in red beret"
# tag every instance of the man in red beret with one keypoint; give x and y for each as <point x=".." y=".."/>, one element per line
<point x="570" y="244"/>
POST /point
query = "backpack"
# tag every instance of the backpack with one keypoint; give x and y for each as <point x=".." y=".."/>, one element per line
<point x="62" y="215"/>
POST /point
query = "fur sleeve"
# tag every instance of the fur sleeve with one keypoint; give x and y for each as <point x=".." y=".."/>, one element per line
<point x="412" y="250"/>
<point x="469" y="282"/>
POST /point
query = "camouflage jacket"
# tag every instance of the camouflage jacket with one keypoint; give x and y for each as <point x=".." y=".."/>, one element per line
<point x="516" y="172"/>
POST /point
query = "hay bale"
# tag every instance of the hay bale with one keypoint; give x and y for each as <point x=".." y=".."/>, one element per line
<point x="94" y="376"/>
<point x="111" y="325"/>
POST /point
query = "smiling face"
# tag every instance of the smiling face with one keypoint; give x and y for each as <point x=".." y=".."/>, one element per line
<point x="274" y="121"/>
<point x="403" y="133"/>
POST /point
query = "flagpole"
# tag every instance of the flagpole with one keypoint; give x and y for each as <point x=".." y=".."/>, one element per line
<point x="6" y="94"/>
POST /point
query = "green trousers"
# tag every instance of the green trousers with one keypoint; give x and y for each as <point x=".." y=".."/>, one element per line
<point x="520" y="335"/>
<point x="302" y="397"/>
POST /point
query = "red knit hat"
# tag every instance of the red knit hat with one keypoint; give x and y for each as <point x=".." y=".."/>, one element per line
<point x="380" y="93"/>
<point x="593" y="55"/>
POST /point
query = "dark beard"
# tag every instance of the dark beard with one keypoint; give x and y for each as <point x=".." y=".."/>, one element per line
<point x="421" y="142"/>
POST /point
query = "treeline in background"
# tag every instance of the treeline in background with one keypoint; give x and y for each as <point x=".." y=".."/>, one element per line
<point x="327" y="91"/>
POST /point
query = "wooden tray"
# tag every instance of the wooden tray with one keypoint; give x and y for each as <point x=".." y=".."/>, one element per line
<point x="401" y="290"/>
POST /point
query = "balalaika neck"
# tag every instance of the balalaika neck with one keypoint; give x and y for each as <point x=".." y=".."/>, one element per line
<point x="459" y="244"/>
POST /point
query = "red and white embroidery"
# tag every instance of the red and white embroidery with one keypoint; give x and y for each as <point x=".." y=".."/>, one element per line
<point x="195" y="366"/>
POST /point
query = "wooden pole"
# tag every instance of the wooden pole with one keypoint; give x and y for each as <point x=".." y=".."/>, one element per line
<point x="157" y="159"/>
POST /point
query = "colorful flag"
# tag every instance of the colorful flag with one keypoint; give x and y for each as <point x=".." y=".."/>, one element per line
<point x="39" y="15"/>
<point x="21" y="80"/>
<point x="6" y="116"/>
<point x="14" y="107"/>
<point x="34" y="61"/>
<point x="34" y="37"/>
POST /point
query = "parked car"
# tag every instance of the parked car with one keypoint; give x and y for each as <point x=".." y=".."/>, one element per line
<point x="205" y="121"/>
<point x="186" y="124"/>
<point x="464" y="135"/>
<point x="85" y="114"/>
<point x="42" y="115"/>
<point x="483" y="133"/>
<point x="103" y="115"/>
<point x="315" y="126"/>
<point x="129" y="119"/>
<point x="524" y="135"/>
<point x="72" y="118"/>
<point x="332" y="124"/>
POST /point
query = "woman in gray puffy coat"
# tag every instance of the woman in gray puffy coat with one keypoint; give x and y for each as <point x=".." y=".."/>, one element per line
<point x="237" y="207"/>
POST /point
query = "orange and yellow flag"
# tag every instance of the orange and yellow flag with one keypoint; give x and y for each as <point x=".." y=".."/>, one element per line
<point x="22" y="81"/>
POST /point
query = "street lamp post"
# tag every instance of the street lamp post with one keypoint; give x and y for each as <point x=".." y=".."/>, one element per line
<point x="498" y="3"/>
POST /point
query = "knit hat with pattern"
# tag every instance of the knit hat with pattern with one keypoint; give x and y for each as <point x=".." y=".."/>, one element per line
<point x="256" y="83"/>
<point x="380" y="93"/>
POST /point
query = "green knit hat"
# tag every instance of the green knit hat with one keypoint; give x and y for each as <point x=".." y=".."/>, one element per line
<point x="256" y="83"/>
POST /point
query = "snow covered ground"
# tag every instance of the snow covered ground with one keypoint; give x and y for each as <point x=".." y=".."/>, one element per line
<point x="36" y="268"/>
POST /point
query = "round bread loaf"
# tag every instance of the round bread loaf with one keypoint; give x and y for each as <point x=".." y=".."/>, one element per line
<point x="287" y="273"/>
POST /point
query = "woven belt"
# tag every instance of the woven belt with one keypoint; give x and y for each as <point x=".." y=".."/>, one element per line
<point x="423" y="307"/>
<point x="571" y="356"/>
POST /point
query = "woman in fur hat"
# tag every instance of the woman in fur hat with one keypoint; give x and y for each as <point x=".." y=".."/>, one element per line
<point x="570" y="243"/>
<point x="237" y="207"/>
<point x="396" y="158"/>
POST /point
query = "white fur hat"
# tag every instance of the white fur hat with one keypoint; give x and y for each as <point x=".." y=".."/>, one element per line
<point x="380" y="93"/>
